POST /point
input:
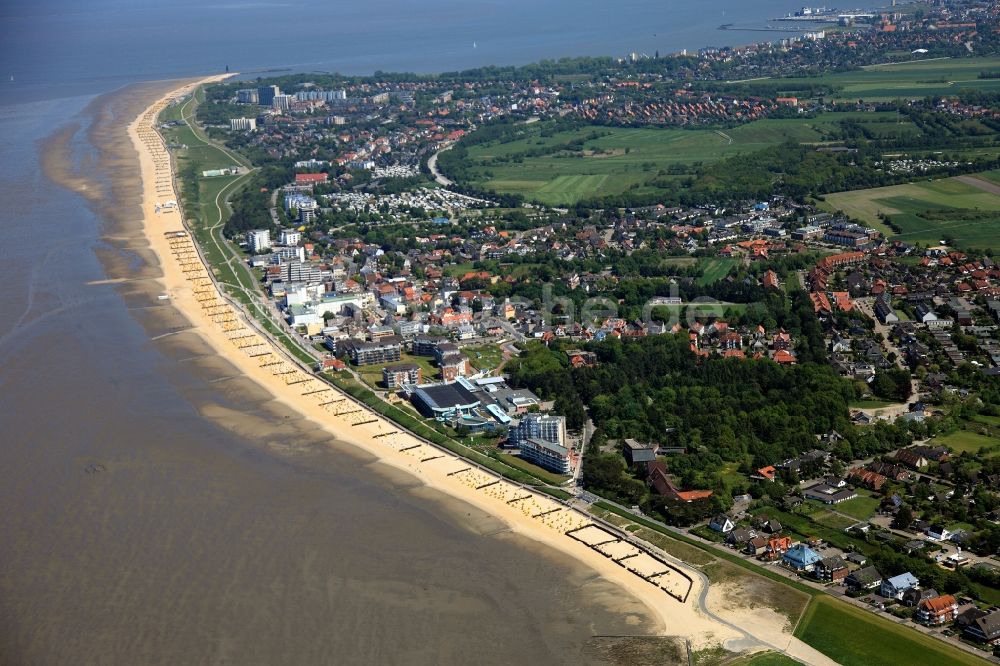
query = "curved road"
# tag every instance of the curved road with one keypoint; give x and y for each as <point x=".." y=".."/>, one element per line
<point x="432" y="165"/>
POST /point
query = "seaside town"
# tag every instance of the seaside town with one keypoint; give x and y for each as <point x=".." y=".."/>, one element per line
<point x="805" y="379"/>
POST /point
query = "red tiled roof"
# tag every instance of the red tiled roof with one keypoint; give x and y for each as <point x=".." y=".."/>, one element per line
<point x="784" y="357"/>
<point x="767" y="472"/>
<point x="820" y="302"/>
<point x="310" y="177"/>
<point x="938" y="604"/>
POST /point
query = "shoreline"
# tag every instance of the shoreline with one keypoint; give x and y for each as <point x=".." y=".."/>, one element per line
<point x="225" y="328"/>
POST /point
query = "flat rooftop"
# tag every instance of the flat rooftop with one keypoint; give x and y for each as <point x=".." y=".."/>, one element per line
<point x="446" y="396"/>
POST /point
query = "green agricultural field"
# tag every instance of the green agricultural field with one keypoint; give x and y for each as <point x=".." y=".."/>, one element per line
<point x="856" y="637"/>
<point x="564" y="167"/>
<point x="915" y="79"/>
<point x="929" y="211"/>
<point x="617" y="160"/>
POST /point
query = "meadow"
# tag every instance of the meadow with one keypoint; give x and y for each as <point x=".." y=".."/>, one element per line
<point x="861" y="507"/>
<point x="914" y="79"/>
<point x="604" y="161"/>
<point x="620" y="158"/>
<point x="716" y="269"/>
<point x="928" y="211"/>
<point x="964" y="440"/>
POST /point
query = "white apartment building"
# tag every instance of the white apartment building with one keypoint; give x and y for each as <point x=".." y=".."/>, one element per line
<point x="547" y="427"/>
<point x="282" y="102"/>
<point x="546" y="454"/>
<point x="243" y="124"/>
<point x="258" y="240"/>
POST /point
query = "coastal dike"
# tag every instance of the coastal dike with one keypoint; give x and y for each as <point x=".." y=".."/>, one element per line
<point x="674" y="592"/>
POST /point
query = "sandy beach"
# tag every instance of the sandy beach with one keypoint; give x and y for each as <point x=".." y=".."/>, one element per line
<point x="640" y="572"/>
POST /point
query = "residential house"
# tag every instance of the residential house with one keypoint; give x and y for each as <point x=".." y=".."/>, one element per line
<point x="895" y="587"/>
<point x="776" y="547"/>
<point x="394" y="376"/>
<point x="801" y="558"/>
<point x="938" y="533"/>
<point x="866" y="578"/>
<point x="911" y="459"/>
<point x="856" y="558"/>
<point x="454" y="366"/>
<point x="890" y="471"/>
<point x="832" y="568"/>
<point x="765" y="474"/>
<point x="868" y="479"/>
<point x="664" y="486"/>
<point x="721" y="523"/>
<point x="370" y="353"/>
<point x="771" y="526"/>
<point x="915" y="595"/>
<point x="756" y="546"/>
<point x="739" y="536"/>
<point x="931" y="453"/>
<point x="985" y="629"/>
<point x="967" y="615"/>
<point x="884" y="312"/>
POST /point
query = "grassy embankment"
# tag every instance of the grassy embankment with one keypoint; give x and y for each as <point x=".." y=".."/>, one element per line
<point x="856" y="637"/>
<point x="206" y="208"/>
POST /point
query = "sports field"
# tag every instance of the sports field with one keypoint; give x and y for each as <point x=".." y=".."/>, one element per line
<point x="928" y="212"/>
<point x="909" y="80"/>
<point x="855" y="637"/>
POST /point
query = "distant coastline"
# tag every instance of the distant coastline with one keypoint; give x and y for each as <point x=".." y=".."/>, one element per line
<point x="235" y="338"/>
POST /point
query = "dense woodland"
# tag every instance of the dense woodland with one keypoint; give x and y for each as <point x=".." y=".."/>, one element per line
<point x="745" y="412"/>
